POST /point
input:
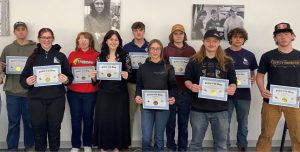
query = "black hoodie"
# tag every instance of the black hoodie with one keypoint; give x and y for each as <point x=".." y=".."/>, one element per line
<point x="41" y="58"/>
<point x="156" y="76"/>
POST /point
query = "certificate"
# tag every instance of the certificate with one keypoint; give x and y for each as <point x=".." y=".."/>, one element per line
<point x="15" y="64"/>
<point x="109" y="70"/>
<point x="213" y="88"/>
<point x="284" y="96"/>
<point x="155" y="99"/>
<point x="179" y="64"/>
<point x="137" y="59"/>
<point x="46" y="75"/>
<point x="82" y="74"/>
<point x="243" y="78"/>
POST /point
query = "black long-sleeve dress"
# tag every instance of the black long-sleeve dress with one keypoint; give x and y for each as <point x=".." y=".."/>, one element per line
<point x="112" y="123"/>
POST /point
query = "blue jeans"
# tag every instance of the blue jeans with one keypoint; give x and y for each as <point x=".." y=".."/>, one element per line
<point x="17" y="107"/>
<point x="242" y="108"/>
<point x="219" y="127"/>
<point x="182" y="106"/>
<point x="82" y="110"/>
<point x="159" y="118"/>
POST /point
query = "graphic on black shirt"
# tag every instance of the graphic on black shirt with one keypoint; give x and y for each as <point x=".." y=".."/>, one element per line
<point x="285" y="63"/>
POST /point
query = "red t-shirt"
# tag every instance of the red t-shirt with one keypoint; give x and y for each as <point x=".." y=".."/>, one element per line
<point x="80" y="59"/>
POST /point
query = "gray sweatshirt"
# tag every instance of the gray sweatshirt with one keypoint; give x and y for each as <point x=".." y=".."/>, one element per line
<point x="12" y="85"/>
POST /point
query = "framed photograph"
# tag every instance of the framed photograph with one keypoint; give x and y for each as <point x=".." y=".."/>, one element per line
<point x="82" y="74"/>
<point x="137" y="59"/>
<point x="284" y="96"/>
<point x="4" y="18"/>
<point x="213" y="88"/>
<point x="179" y="64"/>
<point x="47" y="75"/>
<point x="243" y="78"/>
<point x="109" y="70"/>
<point x="223" y="18"/>
<point x="101" y="16"/>
<point x="15" y="64"/>
<point x="155" y="99"/>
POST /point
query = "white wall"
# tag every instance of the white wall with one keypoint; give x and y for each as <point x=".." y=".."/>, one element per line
<point x="65" y="18"/>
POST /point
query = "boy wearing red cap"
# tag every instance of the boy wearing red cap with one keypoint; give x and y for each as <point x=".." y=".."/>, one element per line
<point x="283" y="67"/>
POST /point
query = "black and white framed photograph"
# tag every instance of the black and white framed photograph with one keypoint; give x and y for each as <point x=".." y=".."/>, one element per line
<point x="100" y="16"/>
<point x="4" y="18"/>
<point x="220" y="17"/>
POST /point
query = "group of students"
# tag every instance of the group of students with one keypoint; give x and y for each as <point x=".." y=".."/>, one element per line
<point x="105" y="109"/>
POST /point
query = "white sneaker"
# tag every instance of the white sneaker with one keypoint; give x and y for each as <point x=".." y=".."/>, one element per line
<point x="87" y="149"/>
<point x="74" y="150"/>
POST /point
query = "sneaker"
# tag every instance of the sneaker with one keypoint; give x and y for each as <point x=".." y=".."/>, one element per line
<point x="74" y="150"/>
<point x="27" y="149"/>
<point x="87" y="149"/>
<point x="240" y="148"/>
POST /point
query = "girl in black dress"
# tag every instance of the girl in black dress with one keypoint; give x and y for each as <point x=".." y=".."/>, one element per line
<point x="112" y="129"/>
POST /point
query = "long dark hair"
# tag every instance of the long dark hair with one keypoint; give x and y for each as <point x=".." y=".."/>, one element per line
<point x="105" y="11"/>
<point x="36" y="50"/>
<point x="105" y="48"/>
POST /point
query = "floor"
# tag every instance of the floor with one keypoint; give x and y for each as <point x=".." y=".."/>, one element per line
<point x="207" y="149"/>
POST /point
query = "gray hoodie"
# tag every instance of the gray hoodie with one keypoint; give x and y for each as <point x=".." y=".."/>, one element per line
<point x="12" y="85"/>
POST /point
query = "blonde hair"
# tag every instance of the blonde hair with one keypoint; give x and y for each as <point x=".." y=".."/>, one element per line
<point x="220" y="55"/>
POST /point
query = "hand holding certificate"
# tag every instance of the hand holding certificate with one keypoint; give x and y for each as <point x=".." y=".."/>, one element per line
<point x="15" y="64"/>
<point x="213" y="88"/>
<point x="156" y="99"/>
<point x="109" y="70"/>
<point x="179" y="64"/>
<point x="284" y="96"/>
<point x="47" y="75"/>
<point x="243" y="78"/>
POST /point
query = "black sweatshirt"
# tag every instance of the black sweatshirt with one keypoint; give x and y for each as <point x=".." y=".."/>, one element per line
<point x="156" y="76"/>
<point x="41" y="58"/>
<point x="209" y="68"/>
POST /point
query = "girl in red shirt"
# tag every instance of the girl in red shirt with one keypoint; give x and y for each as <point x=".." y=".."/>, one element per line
<point x="82" y="93"/>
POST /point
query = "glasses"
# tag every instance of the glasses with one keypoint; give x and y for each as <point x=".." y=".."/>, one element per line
<point x="46" y="38"/>
<point x="154" y="49"/>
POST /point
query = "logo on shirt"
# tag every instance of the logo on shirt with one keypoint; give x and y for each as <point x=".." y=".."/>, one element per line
<point x="79" y="60"/>
<point x="285" y="63"/>
<point x="56" y="60"/>
<point x="245" y="61"/>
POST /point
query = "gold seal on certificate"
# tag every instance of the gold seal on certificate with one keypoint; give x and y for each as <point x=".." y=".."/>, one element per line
<point x="243" y="78"/>
<point x="47" y="75"/>
<point x="15" y="64"/>
<point x="137" y="59"/>
<point x="179" y="64"/>
<point x="155" y="99"/>
<point x="284" y="96"/>
<point x="82" y="74"/>
<point x="109" y="70"/>
<point x="213" y="88"/>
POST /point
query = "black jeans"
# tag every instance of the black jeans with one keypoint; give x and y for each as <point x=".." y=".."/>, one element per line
<point x="46" y="117"/>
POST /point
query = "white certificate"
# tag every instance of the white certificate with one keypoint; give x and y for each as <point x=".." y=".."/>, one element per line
<point x="243" y="78"/>
<point x="155" y="99"/>
<point x="284" y="96"/>
<point x="82" y="74"/>
<point x="179" y="64"/>
<point x="15" y="64"/>
<point x="137" y="59"/>
<point x="47" y="75"/>
<point x="213" y="88"/>
<point x="109" y="70"/>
